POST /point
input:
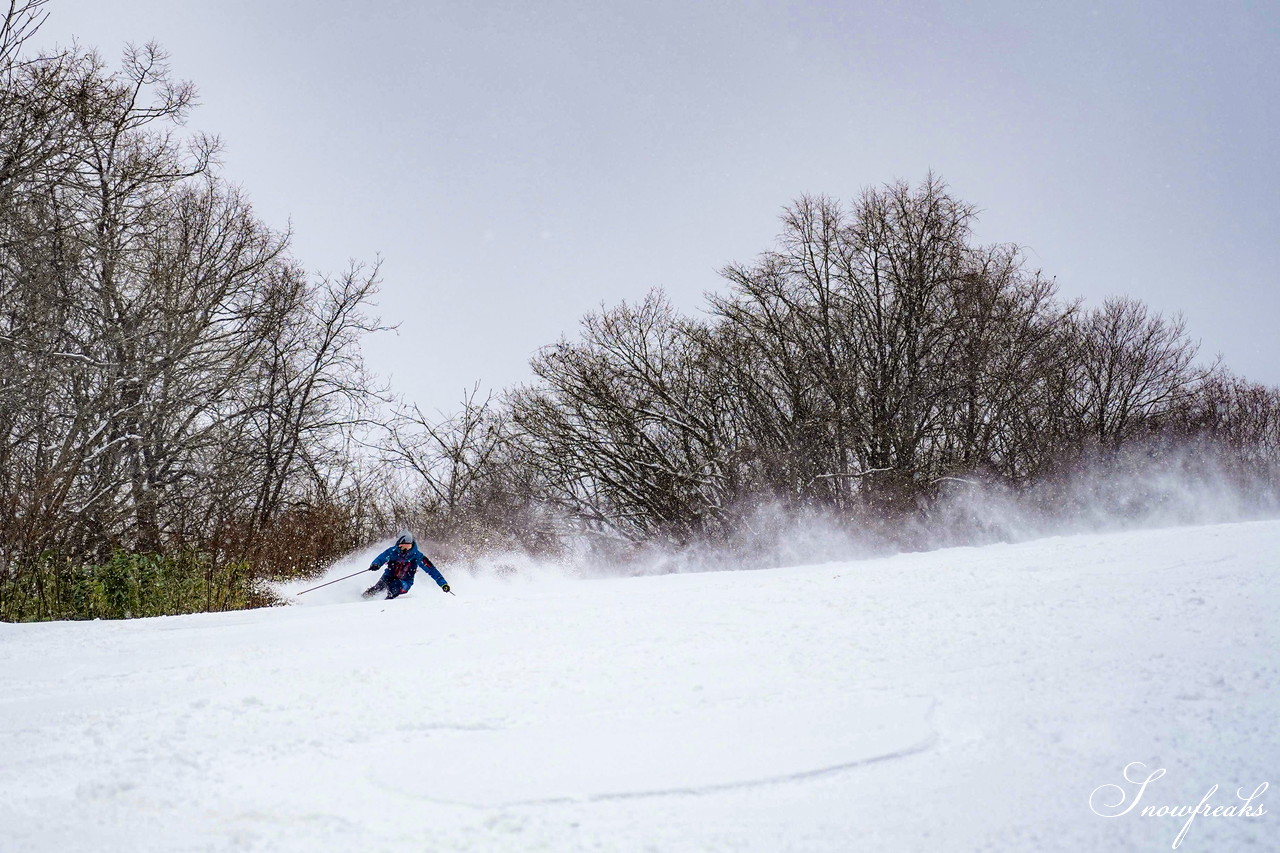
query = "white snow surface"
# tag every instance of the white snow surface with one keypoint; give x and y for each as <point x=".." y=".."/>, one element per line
<point x="963" y="699"/>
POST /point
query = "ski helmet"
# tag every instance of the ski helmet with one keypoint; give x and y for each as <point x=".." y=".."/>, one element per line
<point x="406" y="538"/>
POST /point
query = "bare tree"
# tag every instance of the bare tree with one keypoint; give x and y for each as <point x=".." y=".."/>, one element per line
<point x="450" y="454"/>
<point x="1133" y="367"/>
<point x="854" y="319"/>
<point x="631" y="436"/>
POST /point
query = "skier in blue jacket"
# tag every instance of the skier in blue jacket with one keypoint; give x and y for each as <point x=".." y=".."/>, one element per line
<point x="402" y="561"/>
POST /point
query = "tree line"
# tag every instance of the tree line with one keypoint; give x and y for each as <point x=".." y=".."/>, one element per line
<point x="185" y="411"/>
<point x="873" y="362"/>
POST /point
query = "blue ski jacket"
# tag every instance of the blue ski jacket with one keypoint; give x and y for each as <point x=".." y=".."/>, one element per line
<point x="403" y="564"/>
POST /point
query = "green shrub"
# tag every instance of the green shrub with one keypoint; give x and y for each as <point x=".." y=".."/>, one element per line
<point x="127" y="586"/>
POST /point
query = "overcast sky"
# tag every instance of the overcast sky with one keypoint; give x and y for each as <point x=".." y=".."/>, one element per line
<point x="516" y="164"/>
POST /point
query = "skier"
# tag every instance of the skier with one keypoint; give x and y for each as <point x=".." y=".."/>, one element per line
<point x="402" y="560"/>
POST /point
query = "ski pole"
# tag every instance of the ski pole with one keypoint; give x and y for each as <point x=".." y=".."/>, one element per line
<point x="314" y="588"/>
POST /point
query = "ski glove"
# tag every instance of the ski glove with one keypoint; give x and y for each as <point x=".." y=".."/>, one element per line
<point x="444" y="587"/>
<point x="373" y="568"/>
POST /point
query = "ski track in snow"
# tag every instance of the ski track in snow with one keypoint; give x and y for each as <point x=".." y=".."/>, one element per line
<point x="654" y="759"/>
<point x="965" y="699"/>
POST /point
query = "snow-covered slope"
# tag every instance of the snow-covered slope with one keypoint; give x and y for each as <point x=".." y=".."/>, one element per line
<point x="967" y="699"/>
